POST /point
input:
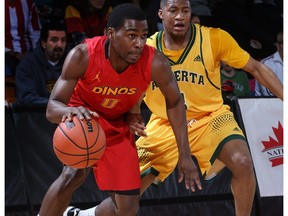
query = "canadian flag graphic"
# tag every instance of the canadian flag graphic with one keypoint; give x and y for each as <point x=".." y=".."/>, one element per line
<point x="274" y="147"/>
<point x="263" y="123"/>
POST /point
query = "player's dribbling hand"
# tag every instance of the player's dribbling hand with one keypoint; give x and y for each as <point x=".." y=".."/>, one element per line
<point x="81" y="113"/>
<point x="136" y="124"/>
<point x="187" y="170"/>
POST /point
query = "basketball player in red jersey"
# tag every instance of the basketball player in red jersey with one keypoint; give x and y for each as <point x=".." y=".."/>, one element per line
<point x="105" y="77"/>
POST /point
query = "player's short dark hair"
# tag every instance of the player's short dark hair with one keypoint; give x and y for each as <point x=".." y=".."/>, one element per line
<point x="164" y="2"/>
<point x="51" y="26"/>
<point x="122" y="12"/>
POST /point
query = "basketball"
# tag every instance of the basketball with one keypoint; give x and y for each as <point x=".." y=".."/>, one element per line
<point x="79" y="144"/>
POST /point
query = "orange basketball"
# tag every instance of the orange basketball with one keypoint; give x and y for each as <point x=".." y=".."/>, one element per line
<point x="79" y="144"/>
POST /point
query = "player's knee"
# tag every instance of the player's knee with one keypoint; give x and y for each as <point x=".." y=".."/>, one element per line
<point x="128" y="206"/>
<point x="131" y="208"/>
<point x="244" y="164"/>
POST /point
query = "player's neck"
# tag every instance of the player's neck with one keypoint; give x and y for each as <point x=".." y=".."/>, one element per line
<point x="117" y="63"/>
<point x="172" y="42"/>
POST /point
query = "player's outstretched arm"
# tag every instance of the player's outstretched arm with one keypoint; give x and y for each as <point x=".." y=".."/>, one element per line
<point x="265" y="76"/>
<point x="163" y="75"/>
<point x="74" y="67"/>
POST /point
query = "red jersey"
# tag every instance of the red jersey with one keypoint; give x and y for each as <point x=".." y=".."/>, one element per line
<point x="107" y="92"/>
<point x="111" y="95"/>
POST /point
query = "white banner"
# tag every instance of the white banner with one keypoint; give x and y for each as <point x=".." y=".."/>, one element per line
<point x="263" y="122"/>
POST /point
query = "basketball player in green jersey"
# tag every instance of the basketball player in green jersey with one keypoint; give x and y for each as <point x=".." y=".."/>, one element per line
<point x="215" y="138"/>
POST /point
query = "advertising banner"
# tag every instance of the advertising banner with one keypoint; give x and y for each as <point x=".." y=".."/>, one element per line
<point x="263" y="122"/>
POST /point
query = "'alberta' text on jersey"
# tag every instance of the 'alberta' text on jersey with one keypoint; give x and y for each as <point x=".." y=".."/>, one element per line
<point x="185" y="76"/>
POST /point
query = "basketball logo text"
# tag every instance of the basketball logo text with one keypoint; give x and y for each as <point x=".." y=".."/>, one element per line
<point x="89" y="126"/>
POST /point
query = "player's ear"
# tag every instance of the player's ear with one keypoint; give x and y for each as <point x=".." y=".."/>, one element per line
<point x="110" y="32"/>
<point x="160" y="13"/>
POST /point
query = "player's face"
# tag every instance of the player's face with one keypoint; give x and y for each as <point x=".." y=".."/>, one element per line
<point x="55" y="45"/>
<point x="176" y="17"/>
<point x="129" y="41"/>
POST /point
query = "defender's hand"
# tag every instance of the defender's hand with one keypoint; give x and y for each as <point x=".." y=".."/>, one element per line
<point x="188" y="170"/>
<point x="136" y="124"/>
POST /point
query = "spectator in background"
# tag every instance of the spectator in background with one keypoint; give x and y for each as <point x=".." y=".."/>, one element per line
<point x="201" y="11"/>
<point x="275" y="63"/>
<point x="151" y="10"/>
<point x="195" y="19"/>
<point x="51" y="10"/>
<point x="22" y="31"/>
<point x="38" y="71"/>
<point x="234" y="82"/>
<point x="236" y="17"/>
<point x="267" y="17"/>
<point x="86" y="19"/>
<point x="200" y="7"/>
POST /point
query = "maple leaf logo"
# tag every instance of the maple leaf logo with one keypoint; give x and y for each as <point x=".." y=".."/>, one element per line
<point x="274" y="148"/>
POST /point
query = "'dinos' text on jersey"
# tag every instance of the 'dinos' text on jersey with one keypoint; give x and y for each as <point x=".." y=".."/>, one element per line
<point x="106" y="90"/>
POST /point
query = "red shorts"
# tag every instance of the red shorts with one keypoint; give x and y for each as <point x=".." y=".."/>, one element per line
<point x="118" y="169"/>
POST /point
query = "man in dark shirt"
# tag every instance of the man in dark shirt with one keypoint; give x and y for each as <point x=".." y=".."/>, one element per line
<point x="38" y="70"/>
